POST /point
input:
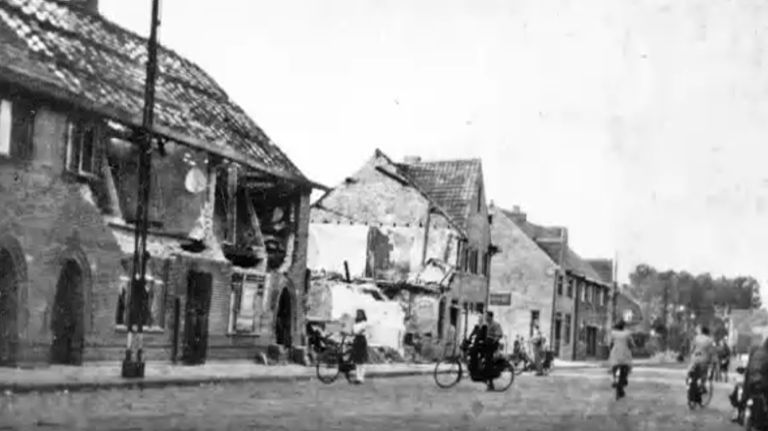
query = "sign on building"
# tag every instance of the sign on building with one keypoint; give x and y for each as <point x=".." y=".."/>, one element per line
<point x="502" y="299"/>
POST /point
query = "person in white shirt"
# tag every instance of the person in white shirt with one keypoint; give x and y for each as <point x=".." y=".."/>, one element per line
<point x="359" y="354"/>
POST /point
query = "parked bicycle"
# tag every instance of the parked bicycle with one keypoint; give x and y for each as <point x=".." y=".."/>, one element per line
<point x="334" y="359"/>
<point x="450" y="370"/>
<point x="523" y="362"/>
<point x="700" y="390"/>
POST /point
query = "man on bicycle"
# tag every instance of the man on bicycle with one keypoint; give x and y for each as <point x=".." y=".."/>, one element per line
<point x="703" y="356"/>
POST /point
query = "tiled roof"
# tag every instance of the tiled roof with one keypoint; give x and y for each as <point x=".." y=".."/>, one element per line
<point x="451" y="184"/>
<point x="83" y="58"/>
<point x="604" y="267"/>
<point x="548" y="239"/>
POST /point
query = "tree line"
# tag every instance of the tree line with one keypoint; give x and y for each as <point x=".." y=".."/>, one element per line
<point x="674" y="302"/>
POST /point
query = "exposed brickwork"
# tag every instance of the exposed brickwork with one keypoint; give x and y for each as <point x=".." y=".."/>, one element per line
<point x="55" y="217"/>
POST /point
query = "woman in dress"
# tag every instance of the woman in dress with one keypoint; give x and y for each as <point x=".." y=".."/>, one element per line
<point x="621" y="356"/>
<point x="360" y="346"/>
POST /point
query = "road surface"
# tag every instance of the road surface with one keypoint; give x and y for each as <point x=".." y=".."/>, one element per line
<point x="566" y="400"/>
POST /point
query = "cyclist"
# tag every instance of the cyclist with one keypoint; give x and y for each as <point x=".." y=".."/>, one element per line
<point x="703" y="357"/>
<point x="474" y="343"/>
<point x="491" y="345"/>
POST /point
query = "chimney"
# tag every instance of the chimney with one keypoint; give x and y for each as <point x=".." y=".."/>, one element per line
<point x="410" y="160"/>
<point x="91" y="6"/>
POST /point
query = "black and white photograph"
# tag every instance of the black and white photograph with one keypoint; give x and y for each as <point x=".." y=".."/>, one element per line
<point x="387" y="215"/>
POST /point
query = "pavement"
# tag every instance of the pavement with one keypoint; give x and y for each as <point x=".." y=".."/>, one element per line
<point x="569" y="399"/>
<point x="106" y="375"/>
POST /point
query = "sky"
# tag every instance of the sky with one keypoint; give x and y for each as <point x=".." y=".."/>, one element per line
<point x="639" y="125"/>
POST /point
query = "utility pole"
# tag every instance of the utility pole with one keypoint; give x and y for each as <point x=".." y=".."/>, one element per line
<point x="137" y="294"/>
<point x="666" y="304"/>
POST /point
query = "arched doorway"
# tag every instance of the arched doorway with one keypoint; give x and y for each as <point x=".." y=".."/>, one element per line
<point x="67" y="317"/>
<point x="283" y="319"/>
<point x="9" y="291"/>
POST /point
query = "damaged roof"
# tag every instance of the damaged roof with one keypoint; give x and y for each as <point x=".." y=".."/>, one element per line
<point x="69" y="54"/>
<point x="451" y="184"/>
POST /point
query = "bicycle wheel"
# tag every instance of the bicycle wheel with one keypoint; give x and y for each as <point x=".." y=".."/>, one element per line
<point x="691" y="393"/>
<point x="327" y="366"/>
<point x="502" y="382"/>
<point x="448" y="372"/>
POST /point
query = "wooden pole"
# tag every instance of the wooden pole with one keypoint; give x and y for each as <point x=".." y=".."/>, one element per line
<point x="137" y="293"/>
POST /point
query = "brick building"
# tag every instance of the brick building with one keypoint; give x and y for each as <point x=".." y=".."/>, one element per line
<point x="580" y="313"/>
<point x="398" y="223"/>
<point x="229" y="211"/>
<point x="522" y="280"/>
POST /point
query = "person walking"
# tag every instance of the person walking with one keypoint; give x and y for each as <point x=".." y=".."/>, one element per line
<point x="359" y="354"/>
<point x="537" y="342"/>
<point x="620" y="357"/>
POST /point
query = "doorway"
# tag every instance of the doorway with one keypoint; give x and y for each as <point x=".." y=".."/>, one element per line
<point x="9" y="334"/>
<point x="67" y="317"/>
<point x="591" y="341"/>
<point x="199" y="289"/>
<point x="283" y="319"/>
<point x="558" y="334"/>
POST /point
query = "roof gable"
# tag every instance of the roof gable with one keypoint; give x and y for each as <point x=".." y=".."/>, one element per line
<point x="82" y="57"/>
<point x="549" y="239"/>
<point x="348" y="199"/>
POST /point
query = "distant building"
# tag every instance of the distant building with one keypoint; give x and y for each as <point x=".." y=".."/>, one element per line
<point x="569" y="298"/>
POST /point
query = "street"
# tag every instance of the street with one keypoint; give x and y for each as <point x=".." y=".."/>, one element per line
<point x="569" y="399"/>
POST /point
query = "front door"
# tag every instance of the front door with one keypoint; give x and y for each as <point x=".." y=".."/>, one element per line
<point x="558" y="328"/>
<point x="591" y="341"/>
<point x="67" y="317"/>
<point x="9" y="338"/>
<point x="199" y="286"/>
<point x="283" y="320"/>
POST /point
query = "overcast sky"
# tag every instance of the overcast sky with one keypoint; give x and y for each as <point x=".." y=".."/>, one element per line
<point x="639" y="125"/>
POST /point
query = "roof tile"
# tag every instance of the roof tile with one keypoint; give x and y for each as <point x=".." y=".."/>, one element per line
<point x="87" y="55"/>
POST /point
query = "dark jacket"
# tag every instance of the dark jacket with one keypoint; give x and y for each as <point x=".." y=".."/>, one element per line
<point x="756" y="375"/>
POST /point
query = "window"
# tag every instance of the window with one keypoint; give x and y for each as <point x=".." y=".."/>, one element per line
<point x="5" y="127"/>
<point x="17" y="121"/>
<point x="567" y="336"/>
<point x="245" y="302"/>
<point x="602" y="294"/>
<point x="479" y="307"/>
<point x="480" y="198"/>
<point x="560" y="285"/>
<point x="82" y="140"/>
<point x="606" y="296"/>
<point x="154" y="307"/>
<point x="570" y="287"/>
<point x="473" y="261"/>
<point x="583" y="289"/>
<point x="534" y="321"/>
<point x="486" y="268"/>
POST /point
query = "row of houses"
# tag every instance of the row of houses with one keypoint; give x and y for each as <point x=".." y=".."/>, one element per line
<point x="233" y="236"/>
<point x="424" y="232"/>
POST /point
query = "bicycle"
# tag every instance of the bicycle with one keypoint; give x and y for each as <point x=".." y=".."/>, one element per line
<point x="452" y="367"/>
<point x="523" y="362"/>
<point x="700" y="394"/>
<point x="335" y="360"/>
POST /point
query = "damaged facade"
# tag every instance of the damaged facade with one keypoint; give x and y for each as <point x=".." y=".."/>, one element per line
<point x="229" y="211"/>
<point x="573" y="302"/>
<point x="420" y="230"/>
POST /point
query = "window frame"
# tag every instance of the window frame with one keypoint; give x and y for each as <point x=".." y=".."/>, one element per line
<point x="568" y="329"/>
<point x="237" y="289"/>
<point x="570" y="283"/>
<point x="157" y="285"/>
<point x="77" y="129"/>
<point x="6" y="132"/>
<point x="559" y="284"/>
